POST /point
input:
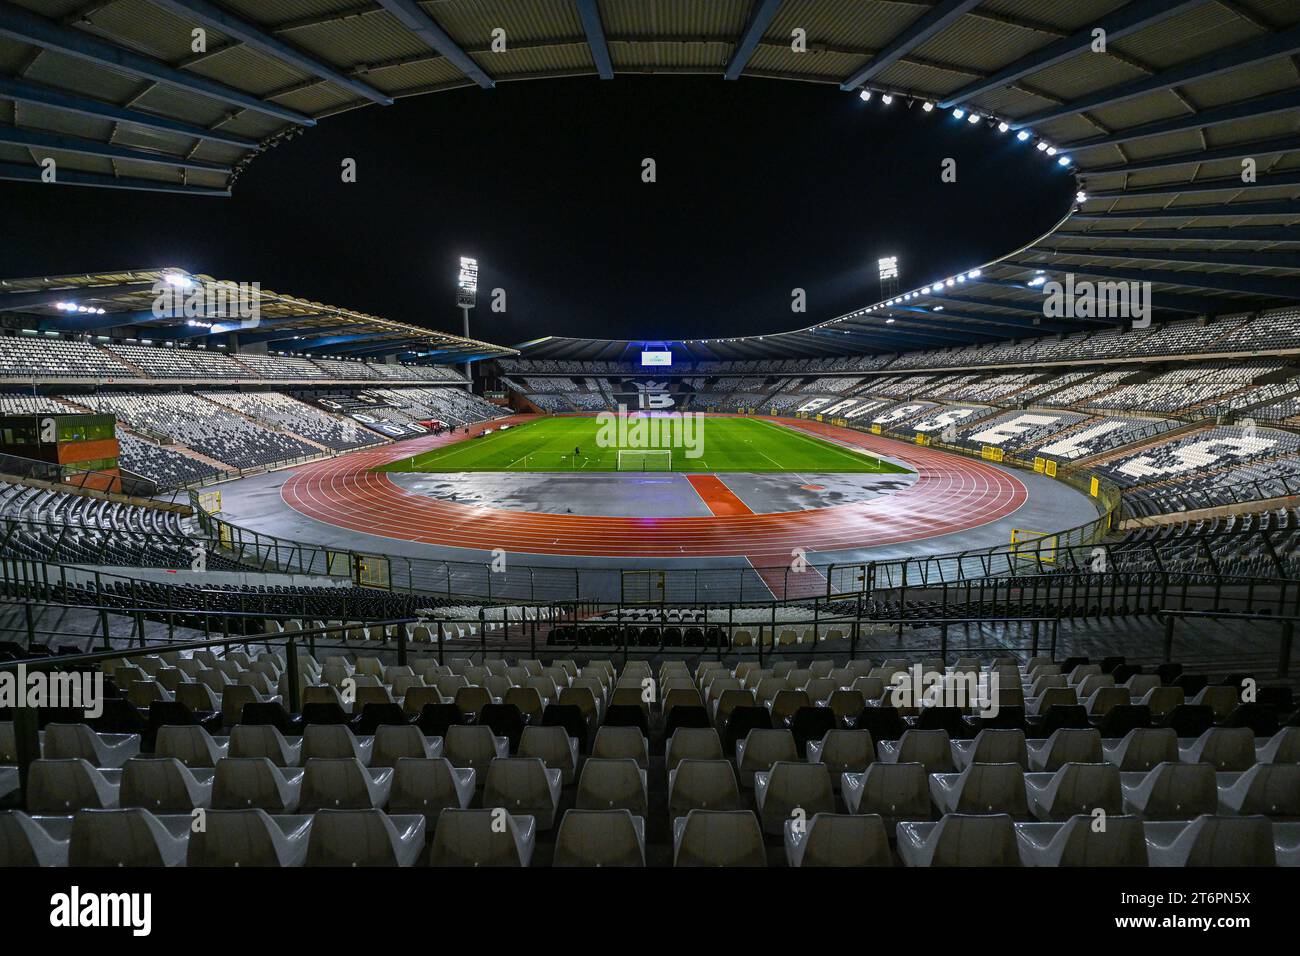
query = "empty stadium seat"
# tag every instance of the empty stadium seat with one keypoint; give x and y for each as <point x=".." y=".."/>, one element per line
<point x="718" y="838"/>
<point x="600" y="838"/>
<point x="960" y="840"/>
<point x="831" y="839"/>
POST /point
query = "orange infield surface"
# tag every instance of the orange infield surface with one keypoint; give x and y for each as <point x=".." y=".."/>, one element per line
<point x="722" y="501"/>
<point x="952" y="493"/>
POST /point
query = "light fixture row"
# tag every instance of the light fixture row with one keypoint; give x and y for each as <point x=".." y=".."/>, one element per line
<point x="973" y="117"/>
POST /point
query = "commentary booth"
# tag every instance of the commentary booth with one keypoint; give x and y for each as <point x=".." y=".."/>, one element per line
<point x="76" y="449"/>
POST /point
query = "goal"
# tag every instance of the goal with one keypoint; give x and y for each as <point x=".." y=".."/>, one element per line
<point x="659" y="459"/>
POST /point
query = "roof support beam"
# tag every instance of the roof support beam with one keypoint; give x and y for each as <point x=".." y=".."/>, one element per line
<point x="19" y="24"/>
<point x="412" y="16"/>
<point x="1001" y="321"/>
<point x="263" y="331"/>
<point x="1173" y="302"/>
<point x="39" y="140"/>
<point x="80" y="322"/>
<point x="889" y="333"/>
<point x="1193" y="234"/>
<point x="1034" y="307"/>
<point x="1266" y="286"/>
<point x="916" y="318"/>
<point x="1277" y="207"/>
<point x="1269" y="260"/>
<point x="1014" y="305"/>
<point x="71" y="177"/>
<point x="759" y="19"/>
<point x="936" y="19"/>
<point x="389" y="345"/>
<point x="255" y="37"/>
<point x="21" y="91"/>
<point x="589" y="13"/>
<point x="1128" y="19"/>
<point x="1257" y="149"/>
<point x="1255" y="51"/>
<point x="1204" y="119"/>
<point x="1231" y="184"/>
<point x="326" y="341"/>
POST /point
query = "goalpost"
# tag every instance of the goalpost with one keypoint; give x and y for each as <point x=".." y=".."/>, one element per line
<point x="656" y="459"/>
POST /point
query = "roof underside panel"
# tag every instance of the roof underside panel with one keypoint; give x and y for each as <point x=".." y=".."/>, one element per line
<point x="1157" y="126"/>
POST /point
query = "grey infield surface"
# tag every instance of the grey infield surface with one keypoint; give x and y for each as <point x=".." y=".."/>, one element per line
<point x="255" y="503"/>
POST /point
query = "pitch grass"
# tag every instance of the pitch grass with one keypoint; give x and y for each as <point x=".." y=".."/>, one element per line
<point x="729" y="445"/>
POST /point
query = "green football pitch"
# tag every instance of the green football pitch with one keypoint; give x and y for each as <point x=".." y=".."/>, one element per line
<point x="575" y="444"/>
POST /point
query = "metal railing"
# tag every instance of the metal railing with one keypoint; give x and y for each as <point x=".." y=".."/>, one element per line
<point x="233" y="547"/>
<point x="1286" y="629"/>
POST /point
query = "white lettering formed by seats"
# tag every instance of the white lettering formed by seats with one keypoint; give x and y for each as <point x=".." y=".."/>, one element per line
<point x="863" y="409"/>
<point x="902" y="411"/>
<point x="1016" y="426"/>
<point x="1076" y="446"/>
<point x="1197" y="455"/>
<point x="944" y="419"/>
<point x="840" y="406"/>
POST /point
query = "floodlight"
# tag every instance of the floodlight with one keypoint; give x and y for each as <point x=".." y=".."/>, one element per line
<point x="467" y="283"/>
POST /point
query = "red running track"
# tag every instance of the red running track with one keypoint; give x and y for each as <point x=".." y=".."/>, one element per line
<point x="951" y="494"/>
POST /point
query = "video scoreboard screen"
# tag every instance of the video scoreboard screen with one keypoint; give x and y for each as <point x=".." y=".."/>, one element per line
<point x="659" y="358"/>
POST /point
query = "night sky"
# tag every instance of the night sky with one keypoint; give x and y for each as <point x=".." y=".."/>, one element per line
<point x="763" y="186"/>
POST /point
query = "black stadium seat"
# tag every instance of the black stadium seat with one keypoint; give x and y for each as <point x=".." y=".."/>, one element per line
<point x="569" y="716"/>
<point x="505" y="721"/>
<point x="1190" y="720"/>
<point x="324" y="713"/>
<point x="270" y="713"/>
<point x="436" y="718"/>
<point x="811" y="723"/>
<point x="1122" y="718"/>
<point x="884" y="723"/>
<point x="374" y="716"/>
<point x="740" y="722"/>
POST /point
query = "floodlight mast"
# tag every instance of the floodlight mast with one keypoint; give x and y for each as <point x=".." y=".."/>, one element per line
<point x="466" y="299"/>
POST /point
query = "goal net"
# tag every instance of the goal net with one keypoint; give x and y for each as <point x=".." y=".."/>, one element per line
<point x="659" y="459"/>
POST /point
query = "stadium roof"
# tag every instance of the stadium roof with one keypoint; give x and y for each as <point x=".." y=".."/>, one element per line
<point x="165" y="305"/>
<point x="1157" y="126"/>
